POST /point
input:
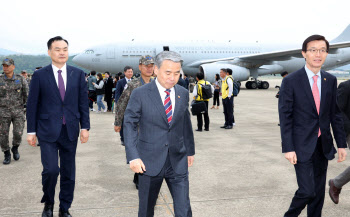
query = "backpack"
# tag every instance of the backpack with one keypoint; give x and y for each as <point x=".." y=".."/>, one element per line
<point x="236" y="88"/>
<point x="206" y="91"/>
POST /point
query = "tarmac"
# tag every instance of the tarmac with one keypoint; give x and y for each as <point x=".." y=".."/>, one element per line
<point x="236" y="173"/>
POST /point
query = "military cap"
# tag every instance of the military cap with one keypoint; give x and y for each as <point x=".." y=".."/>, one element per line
<point x="146" y="60"/>
<point x="8" y="61"/>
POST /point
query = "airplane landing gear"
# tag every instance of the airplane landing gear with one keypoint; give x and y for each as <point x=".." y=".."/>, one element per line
<point x="257" y="84"/>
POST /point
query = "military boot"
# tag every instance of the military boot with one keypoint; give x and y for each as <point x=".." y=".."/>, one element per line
<point x="15" y="153"/>
<point x="7" y="159"/>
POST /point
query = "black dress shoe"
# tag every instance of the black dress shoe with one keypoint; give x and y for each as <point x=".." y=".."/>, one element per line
<point x="15" y="153"/>
<point x="7" y="157"/>
<point x="48" y="210"/>
<point x="206" y="129"/>
<point x="62" y="213"/>
<point x="223" y="126"/>
<point x="228" y="127"/>
<point x="199" y="130"/>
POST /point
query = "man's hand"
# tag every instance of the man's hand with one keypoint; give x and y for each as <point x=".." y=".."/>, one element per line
<point x="84" y="136"/>
<point x="31" y="139"/>
<point x="341" y="154"/>
<point x="291" y="156"/>
<point x="190" y="160"/>
<point x="137" y="166"/>
<point x="117" y="128"/>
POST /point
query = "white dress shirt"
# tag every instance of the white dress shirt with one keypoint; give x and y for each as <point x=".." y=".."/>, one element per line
<point x="162" y="93"/>
<point x="310" y="76"/>
<point x="63" y="73"/>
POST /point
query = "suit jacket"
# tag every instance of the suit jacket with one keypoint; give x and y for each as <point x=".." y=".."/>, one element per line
<point x="343" y="96"/>
<point x="300" y="121"/>
<point x="45" y="108"/>
<point x="148" y="136"/>
<point x="119" y="89"/>
<point x="108" y="88"/>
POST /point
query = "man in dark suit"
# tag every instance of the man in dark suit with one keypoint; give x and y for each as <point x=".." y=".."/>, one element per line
<point x="343" y="96"/>
<point x="56" y="106"/>
<point x="307" y="108"/>
<point x="158" y="136"/>
<point x="108" y="91"/>
<point x="121" y="86"/>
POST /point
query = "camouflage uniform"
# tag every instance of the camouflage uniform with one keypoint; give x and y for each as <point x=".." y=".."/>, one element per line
<point x="13" y="95"/>
<point x="124" y="99"/>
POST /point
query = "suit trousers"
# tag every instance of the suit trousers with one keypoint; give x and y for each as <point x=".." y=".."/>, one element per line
<point x="149" y="187"/>
<point x="206" y="118"/>
<point x="228" y="110"/>
<point x="311" y="178"/>
<point x="50" y="151"/>
<point x="343" y="177"/>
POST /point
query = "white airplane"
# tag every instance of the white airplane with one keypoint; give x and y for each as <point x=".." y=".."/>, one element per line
<point x="246" y="61"/>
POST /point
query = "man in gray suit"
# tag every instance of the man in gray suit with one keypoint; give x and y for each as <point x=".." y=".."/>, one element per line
<point x="343" y="100"/>
<point x="158" y="136"/>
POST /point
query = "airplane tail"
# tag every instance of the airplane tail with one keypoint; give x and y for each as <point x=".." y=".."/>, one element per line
<point x="344" y="36"/>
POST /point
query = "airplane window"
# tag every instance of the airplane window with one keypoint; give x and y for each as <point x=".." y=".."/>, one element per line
<point x="89" y="51"/>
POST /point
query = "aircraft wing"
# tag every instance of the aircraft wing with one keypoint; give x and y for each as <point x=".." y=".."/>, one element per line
<point x="267" y="57"/>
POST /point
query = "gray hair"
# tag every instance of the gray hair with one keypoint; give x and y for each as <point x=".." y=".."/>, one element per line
<point x="167" y="55"/>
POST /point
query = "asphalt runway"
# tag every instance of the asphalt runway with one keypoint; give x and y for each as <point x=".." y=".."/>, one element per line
<point x="236" y="173"/>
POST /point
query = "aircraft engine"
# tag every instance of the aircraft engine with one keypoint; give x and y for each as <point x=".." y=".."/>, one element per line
<point x="239" y="73"/>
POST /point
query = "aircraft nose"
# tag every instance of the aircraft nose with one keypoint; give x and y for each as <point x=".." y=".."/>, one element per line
<point x="80" y="60"/>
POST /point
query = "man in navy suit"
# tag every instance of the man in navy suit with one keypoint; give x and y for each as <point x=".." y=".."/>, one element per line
<point x="158" y="136"/>
<point x="56" y="107"/>
<point x="307" y="109"/>
<point x="121" y="86"/>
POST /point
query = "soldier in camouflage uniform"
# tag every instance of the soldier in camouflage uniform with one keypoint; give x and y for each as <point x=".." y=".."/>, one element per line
<point x="13" y="96"/>
<point x="25" y="75"/>
<point x="146" y="67"/>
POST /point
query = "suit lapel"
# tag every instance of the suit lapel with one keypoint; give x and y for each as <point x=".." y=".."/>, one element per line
<point x="307" y="89"/>
<point x="178" y="104"/>
<point x="52" y="81"/>
<point x="324" y="86"/>
<point x="157" y="100"/>
<point x="69" y="80"/>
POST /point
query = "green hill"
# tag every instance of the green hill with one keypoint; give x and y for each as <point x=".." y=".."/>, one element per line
<point x="30" y="62"/>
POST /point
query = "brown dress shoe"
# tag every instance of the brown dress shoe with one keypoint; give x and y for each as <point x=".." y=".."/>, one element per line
<point x="334" y="192"/>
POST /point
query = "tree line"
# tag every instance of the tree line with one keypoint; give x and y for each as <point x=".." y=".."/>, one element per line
<point x="30" y="62"/>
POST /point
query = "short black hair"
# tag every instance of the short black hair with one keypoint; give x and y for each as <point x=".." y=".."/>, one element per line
<point x="314" y="38"/>
<point x="186" y="75"/>
<point x="229" y="71"/>
<point x="200" y="75"/>
<point x="126" y="68"/>
<point x="284" y="73"/>
<point x="107" y="73"/>
<point x="57" y="38"/>
<point x="224" y="70"/>
<point x="93" y="72"/>
<point x="217" y="77"/>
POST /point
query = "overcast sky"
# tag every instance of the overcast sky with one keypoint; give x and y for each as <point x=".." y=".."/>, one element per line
<point x="27" y="25"/>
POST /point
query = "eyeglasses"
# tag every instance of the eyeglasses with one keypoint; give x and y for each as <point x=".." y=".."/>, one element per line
<point x="321" y="51"/>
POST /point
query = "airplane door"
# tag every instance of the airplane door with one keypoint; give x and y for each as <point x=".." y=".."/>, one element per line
<point x="110" y="53"/>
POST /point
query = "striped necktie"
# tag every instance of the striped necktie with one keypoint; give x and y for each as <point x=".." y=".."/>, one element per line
<point x="168" y="107"/>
